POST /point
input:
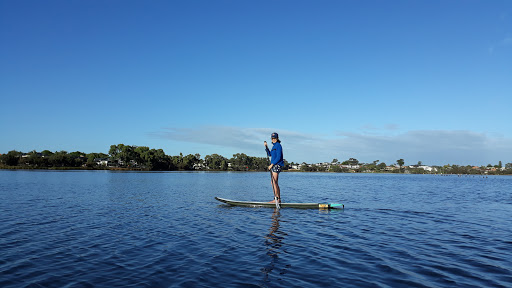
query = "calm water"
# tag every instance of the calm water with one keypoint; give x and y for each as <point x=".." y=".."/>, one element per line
<point x="107" y="229"/>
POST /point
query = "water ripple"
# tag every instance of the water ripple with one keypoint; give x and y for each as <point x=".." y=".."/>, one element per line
<point x="97" y="229"/>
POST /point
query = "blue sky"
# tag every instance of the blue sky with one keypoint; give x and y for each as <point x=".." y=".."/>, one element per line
<point x="426" y="81"/>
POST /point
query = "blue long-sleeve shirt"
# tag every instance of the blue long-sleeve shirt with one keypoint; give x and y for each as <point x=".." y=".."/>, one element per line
<point x="276" y="154"/>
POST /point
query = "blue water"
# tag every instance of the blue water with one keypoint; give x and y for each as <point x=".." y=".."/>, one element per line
<point x="108" y="229"/>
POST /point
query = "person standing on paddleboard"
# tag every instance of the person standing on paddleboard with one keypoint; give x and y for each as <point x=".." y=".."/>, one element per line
<point x="276" y="164"/>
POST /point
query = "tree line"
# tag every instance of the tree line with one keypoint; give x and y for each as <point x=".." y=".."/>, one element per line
<point x="350" y="165"/>
<point x="131" y="157"/>
<point x="354" y="166"/>
<point x="143" y="158"/>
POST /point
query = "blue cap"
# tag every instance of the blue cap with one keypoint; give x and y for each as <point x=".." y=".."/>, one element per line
<point x="274" y="135"/>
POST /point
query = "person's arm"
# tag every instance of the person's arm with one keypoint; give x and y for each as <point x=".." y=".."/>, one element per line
<point x="266" y="149"/>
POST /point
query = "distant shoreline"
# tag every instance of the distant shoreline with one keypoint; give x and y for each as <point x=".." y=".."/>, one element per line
<point x="141" y="158"/>
<point x="116" y="169"/>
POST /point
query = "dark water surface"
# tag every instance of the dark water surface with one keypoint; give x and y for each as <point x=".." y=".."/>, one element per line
<point x="107" y="229"/>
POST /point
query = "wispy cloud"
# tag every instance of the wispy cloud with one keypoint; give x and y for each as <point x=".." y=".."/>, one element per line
<point x="505" y="42"/>
<point x="241" y="140"/>
<point x="429" y="146"/>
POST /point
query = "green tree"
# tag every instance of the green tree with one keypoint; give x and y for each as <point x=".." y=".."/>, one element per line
<point x="224" y="165"/>
<point x="190" y="160"/>
<point x="261" y="164"/>
<point x="309" y="168"/>
<point x="370" y="167"/>
<point x="400" y="163"/>
<point x="153" y="159"/>
<point x="123" y="154"/>
<point x="240" y="162"/>
<point x="77" y="159"/>
<point x="60" y="159"/>
<point x="336" y="168"/>
<point x="161" y="161"/>
<point x="127" y="155"/>
<point x="215" y="162"/>
<point x="35" y="159"/>
<point x="177" y="161"/>
<point x="144" y="157"/>
<point x="12" y="158"/>
<point x="114" y="152"/>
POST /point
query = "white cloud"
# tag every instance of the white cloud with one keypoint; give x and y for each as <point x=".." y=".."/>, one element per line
<point x="435" y="147"/>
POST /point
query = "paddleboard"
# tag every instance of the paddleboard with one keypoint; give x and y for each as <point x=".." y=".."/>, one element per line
<point x="283" y="205"/>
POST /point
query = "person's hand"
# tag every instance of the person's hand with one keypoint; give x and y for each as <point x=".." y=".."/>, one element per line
<point x="270" y="167"/>
<point x="265" y="143"/>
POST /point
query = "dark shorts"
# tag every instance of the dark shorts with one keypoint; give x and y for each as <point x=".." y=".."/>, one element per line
<point x="276" y="169"/>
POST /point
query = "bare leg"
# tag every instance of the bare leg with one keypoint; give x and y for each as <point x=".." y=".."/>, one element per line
<point x="277" y="191"/>
<point x="273" y="187"/>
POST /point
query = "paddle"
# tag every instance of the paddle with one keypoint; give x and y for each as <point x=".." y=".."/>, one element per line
<point x="272" y="181"/>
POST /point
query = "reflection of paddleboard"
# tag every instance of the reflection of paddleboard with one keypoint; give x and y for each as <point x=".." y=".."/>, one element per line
<point x="283" y="205"/>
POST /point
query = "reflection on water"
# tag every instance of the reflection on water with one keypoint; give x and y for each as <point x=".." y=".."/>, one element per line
<point x="274" y="242"/>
